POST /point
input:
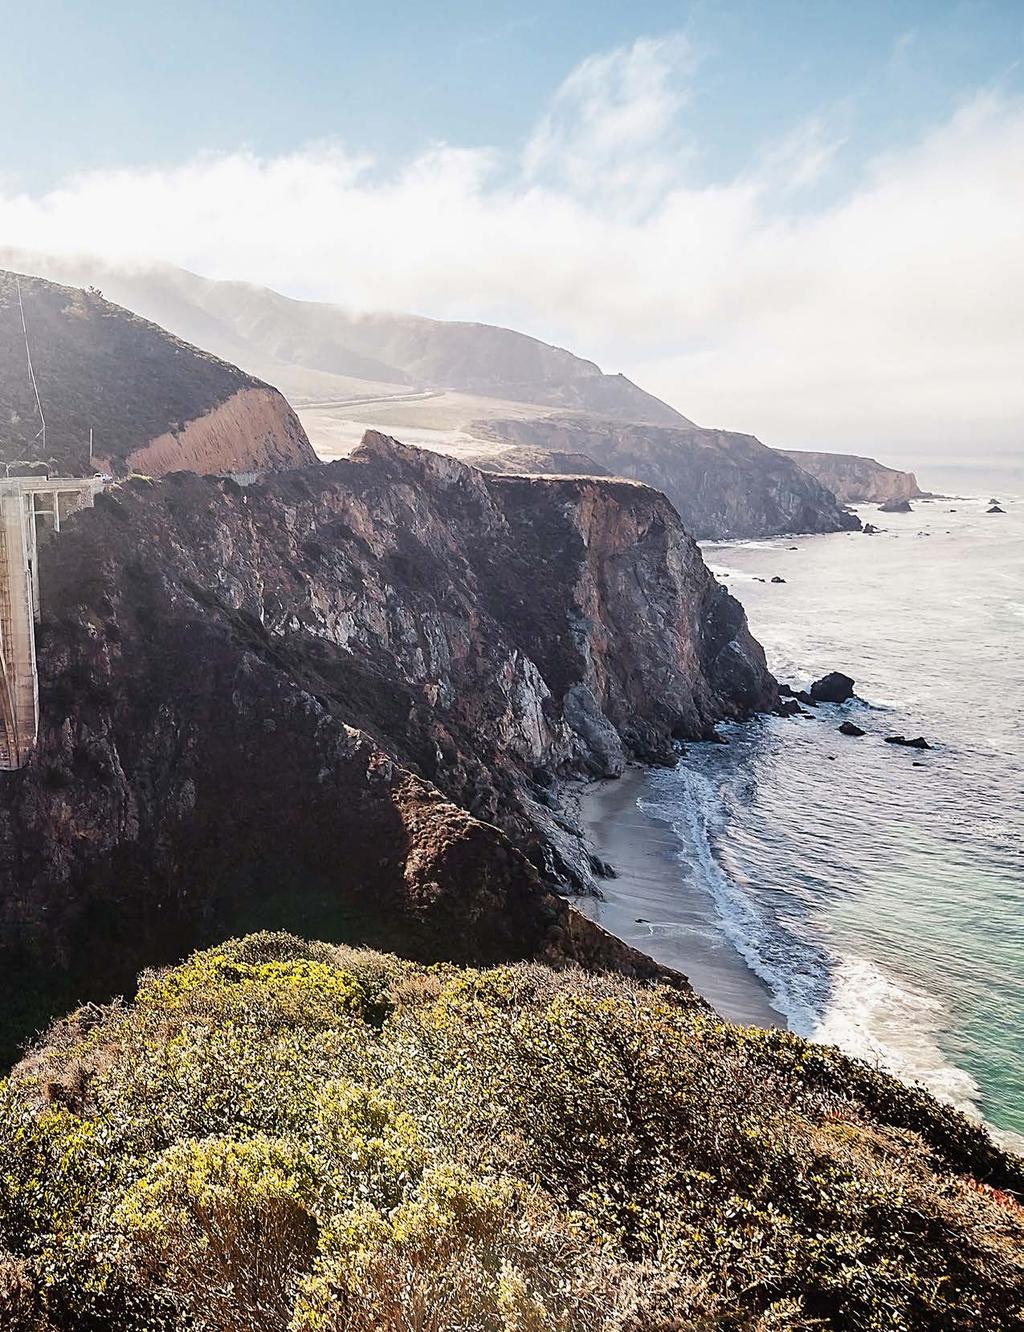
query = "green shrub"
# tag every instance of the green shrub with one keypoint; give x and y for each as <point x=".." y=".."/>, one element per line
<point x="463" y="1255"/>
<point x="224" y="1231"/>
<point x="286" y="1134"/>
<point x="215" y="987"/>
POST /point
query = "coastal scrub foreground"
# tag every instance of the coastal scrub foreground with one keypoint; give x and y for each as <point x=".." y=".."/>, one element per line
<point x="289" y="1135"/>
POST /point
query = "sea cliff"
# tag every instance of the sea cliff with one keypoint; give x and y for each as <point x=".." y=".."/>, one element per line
<point x="722" y="483"/>
<point x="856" y="480"/>
<point x="339" y="698"/>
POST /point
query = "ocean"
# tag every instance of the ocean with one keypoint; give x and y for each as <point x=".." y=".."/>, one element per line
<point x="877" y="892"/>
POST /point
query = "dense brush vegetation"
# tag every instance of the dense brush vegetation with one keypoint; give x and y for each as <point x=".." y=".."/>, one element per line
<point x="289" y="1135"/>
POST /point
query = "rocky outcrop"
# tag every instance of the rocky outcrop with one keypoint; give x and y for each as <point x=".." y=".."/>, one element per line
<point x="151" y="401"/>
<point x="723" y="484"/>
<point x="337" y="699"/>
<point x="856" y="480"/>
<point x="835" y="687"/>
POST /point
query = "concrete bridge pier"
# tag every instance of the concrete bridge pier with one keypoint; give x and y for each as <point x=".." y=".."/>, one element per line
<point x="24" y="503"/>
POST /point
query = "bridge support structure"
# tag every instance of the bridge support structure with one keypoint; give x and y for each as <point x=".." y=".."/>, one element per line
<point x="29" y="506"/>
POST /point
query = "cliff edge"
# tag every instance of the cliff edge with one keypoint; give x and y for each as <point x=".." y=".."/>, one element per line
<point x="856" y="480"/>
<point x="725" y="485"/>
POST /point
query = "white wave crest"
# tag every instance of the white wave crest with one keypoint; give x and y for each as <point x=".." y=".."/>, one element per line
<point x="823" y="994"/>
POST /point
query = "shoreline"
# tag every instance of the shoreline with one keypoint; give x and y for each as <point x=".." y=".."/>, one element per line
<point x="655" y="904"/>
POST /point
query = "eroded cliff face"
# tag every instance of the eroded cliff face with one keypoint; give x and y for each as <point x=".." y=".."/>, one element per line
<point x="253" y="431"/>
<point x="856" y="480"/>
<point x="722" y="483"/>
<point x="337" y="700"/>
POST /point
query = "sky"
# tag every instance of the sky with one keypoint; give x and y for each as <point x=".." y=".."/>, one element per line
<point x="801" y="218"/>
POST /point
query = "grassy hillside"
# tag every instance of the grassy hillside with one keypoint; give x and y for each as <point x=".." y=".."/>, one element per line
<point x="288" y="1135"/>
<point x="99" y="366"/>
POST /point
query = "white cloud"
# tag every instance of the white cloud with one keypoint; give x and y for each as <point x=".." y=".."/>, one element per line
<point x="612" y="133"/>
<point x="888" y="319"/>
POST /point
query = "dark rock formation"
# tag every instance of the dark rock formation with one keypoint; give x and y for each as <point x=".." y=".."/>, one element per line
<point x="832" y="688"/>
<point x="869" y="529"/>
<point x="723" y="484"/>
<point x="919" y="742"/>
<point x="896" y="506"/>
<point x="994" y="508"/>
<point x="850" y="728"/>
<point x="777" y="579"/>
<point x="324" y="701"/>
<point x="154" y="403"/>
<point x="801" y="695"/>
<point x="856" y="480"/>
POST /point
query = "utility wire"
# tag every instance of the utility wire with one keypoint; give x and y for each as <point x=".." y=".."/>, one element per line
<point x="41" y="433"/>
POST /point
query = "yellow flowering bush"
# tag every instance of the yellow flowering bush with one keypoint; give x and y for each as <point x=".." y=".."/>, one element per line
<point x="288" y="1135"/>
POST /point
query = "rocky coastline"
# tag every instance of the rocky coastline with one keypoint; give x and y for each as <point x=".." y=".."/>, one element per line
<point x="415" y="653"/>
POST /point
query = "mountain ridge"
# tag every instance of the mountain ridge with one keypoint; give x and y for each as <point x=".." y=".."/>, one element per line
<point x="449" y="384"/>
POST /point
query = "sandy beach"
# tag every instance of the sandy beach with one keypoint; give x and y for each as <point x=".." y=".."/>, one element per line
<point x="654" y="904"/>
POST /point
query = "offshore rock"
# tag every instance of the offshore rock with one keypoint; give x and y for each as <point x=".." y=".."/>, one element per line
<point x="832" y="688"/>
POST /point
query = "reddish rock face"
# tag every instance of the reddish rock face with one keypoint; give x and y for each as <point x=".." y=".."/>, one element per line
<point x="252" y="431"/>
<point x="335" y="701"/>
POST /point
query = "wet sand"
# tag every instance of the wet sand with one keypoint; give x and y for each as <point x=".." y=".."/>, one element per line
<point x="654" y="904"/>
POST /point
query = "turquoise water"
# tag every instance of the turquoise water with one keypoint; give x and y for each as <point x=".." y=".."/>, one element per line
<point x="879" y="892"/>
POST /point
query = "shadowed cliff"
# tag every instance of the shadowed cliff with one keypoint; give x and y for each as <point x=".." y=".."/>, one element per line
<point x="723" y="484"/>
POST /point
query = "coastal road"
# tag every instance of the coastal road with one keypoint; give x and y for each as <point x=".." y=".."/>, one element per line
<point x="327" y="403"/>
